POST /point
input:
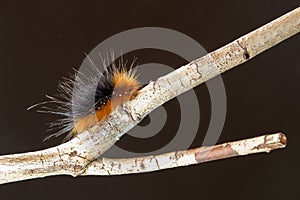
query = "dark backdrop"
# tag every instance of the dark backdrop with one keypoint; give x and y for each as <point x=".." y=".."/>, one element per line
<point x="40" y="41"/>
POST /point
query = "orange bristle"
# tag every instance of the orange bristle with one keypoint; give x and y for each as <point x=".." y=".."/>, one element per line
<point x="125" y="86"/>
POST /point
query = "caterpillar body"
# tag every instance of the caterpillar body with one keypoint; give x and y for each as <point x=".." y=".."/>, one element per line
<point x="87" y="98"/>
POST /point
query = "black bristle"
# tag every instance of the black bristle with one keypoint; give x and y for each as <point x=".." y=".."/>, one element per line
<point x="104" y="92"/>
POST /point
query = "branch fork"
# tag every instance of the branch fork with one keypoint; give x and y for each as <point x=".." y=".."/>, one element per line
<point x="80" y="155"/>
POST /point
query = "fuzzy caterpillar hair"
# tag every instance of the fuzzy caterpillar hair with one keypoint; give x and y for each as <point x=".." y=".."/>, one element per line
<point x="88" y="97"/>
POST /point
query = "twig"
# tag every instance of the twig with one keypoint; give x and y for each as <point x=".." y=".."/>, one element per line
<point x="37" y="165"/>
<point x="73" y="157"/>
<point x="265" y="143"/>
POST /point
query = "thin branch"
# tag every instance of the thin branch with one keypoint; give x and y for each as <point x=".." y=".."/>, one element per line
<point x="73" y="157"/>
<point x="265" y="143"/>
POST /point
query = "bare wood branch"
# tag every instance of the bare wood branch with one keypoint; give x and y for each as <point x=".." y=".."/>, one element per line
<point x="265" y="143"/>
<point x="73" y="157"/>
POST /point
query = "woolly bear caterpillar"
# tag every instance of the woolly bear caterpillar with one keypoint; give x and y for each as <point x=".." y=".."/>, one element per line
<point x="89" y="97"/>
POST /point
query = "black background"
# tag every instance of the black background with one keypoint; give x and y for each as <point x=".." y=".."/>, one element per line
<point x="40" y="41"/>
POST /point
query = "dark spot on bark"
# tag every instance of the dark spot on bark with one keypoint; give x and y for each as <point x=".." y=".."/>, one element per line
<point x="246" y="55"/>
<point x="142" y="166"/>
<point x="73" y="153"/>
